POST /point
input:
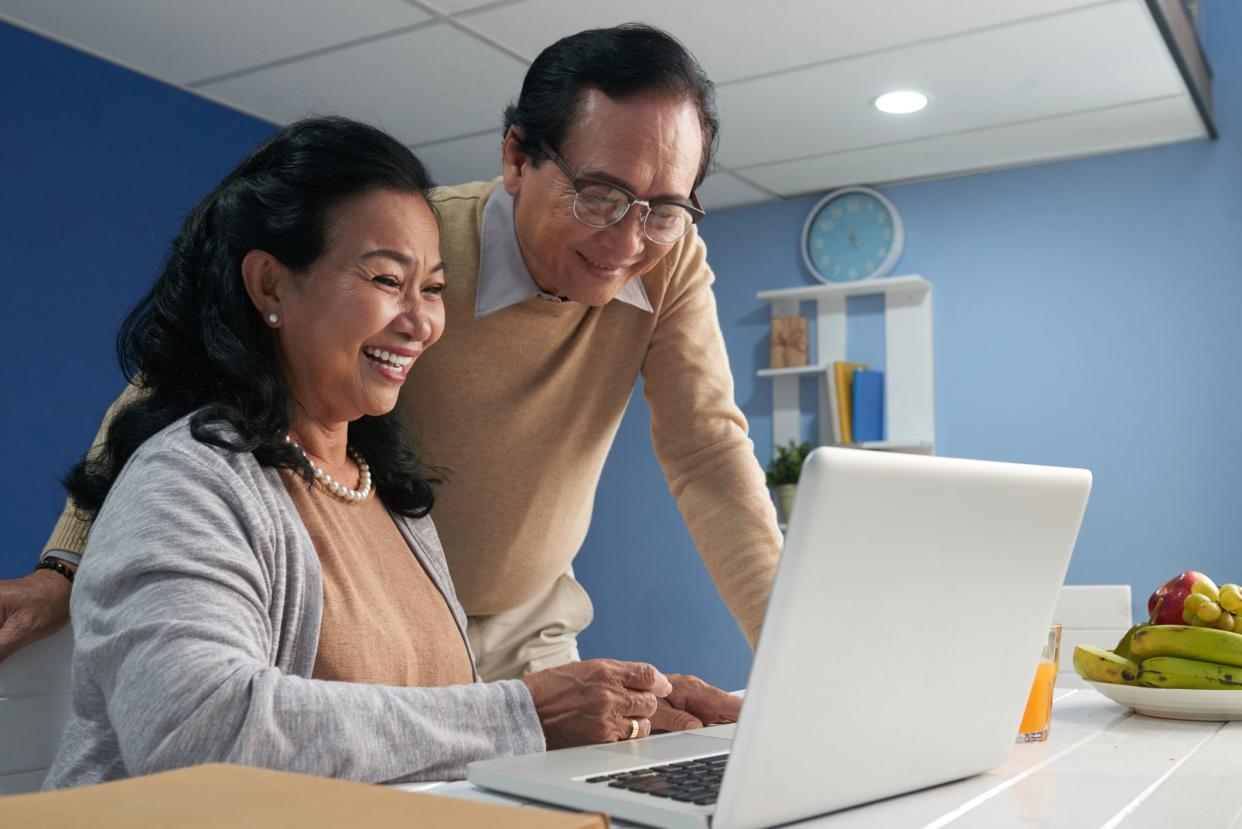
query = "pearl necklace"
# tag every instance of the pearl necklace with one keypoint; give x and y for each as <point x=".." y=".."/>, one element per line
<point x="336" y="487"/>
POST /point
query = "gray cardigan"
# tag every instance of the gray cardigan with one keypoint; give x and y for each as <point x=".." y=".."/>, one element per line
<point x="196" y="620"/>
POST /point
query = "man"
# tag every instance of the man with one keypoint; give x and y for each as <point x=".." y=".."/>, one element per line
<point x="571" y="277"/>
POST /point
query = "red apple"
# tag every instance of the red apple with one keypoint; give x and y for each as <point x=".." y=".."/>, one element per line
<point x="1165" y="605"/>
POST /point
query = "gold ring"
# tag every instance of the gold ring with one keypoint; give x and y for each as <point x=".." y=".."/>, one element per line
<point x="634" y="728"/>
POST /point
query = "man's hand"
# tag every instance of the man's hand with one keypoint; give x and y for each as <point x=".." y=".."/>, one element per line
<point x="692" y="704"/>
<point x="597" y="701"/>
<point x="31" y="608"/>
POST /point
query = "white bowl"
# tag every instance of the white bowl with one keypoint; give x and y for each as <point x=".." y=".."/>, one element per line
<point x="1175" y="703"/>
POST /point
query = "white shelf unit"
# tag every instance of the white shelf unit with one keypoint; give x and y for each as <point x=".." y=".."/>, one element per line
<point x="909" y="387"/>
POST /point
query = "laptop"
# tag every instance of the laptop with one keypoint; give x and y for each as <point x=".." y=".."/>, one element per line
<point x="911" y="602"/>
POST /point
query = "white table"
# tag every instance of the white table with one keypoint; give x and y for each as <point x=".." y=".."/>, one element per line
<point x="1103" y="766"/>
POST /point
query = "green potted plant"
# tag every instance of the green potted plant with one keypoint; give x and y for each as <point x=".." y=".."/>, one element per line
<point x="783" y="473"/>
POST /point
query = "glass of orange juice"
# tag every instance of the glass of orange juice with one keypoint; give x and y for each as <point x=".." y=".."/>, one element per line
<point x="1037" y="719"/>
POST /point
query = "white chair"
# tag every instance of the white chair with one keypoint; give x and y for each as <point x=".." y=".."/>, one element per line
<point x="34" y="704"/>
<point x="1091" y="614"/>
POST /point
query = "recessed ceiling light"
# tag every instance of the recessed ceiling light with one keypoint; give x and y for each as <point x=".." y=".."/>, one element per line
<point x="901" y="102"/>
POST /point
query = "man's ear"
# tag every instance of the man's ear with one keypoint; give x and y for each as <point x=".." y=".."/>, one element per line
<point x="516" y="163"/>
<point x="267" y="283"/>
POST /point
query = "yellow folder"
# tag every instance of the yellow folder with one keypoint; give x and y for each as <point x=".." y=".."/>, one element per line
<point x="843" y="375"/>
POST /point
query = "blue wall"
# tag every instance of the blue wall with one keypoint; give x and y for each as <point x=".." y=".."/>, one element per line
<point x="100" y="165"/>
<point x="1086" y="314"/>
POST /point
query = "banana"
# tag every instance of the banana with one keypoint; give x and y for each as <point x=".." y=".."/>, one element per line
<point x="1099" y="665"/>
<point x="1172" y="672"/>
<point x="1203" y="644"/>
<point x="1123" y="647"/>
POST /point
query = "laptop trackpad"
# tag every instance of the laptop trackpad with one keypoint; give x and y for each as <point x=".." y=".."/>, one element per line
<point x="671" y="747"/>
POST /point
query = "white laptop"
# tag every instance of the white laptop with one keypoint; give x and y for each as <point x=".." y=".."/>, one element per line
<point x="900" y="642"/>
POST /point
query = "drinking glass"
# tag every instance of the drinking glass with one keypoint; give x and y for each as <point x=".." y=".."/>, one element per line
<point x="1037" y="719"/>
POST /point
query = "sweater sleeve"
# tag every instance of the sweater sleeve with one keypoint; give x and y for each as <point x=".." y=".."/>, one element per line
<point x="71" y="530"/>
<point x="700" y="438"/>
<point x="181" y="618"/>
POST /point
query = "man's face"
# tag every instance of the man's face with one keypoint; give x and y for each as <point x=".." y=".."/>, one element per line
<point x="648" y="144"/>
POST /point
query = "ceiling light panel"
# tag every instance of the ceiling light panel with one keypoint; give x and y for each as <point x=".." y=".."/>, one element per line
<point x="1074" y="62"/>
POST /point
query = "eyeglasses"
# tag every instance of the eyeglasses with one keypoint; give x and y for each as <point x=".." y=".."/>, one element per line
<point x="596" y="204"/>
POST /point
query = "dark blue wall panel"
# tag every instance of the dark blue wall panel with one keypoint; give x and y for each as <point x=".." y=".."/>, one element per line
<point x="99" y="165"/>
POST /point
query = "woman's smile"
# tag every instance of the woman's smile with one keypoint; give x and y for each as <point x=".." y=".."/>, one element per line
<point x="392" y="365"/>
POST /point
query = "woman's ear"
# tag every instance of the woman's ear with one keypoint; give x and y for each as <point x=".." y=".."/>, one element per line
<point x="514" y="161"/>
<point x="266" y="281"/>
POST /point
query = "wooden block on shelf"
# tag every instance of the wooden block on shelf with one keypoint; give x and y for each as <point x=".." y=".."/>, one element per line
<point x="789" y="345"/>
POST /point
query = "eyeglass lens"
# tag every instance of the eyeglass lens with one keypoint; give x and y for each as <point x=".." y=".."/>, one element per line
<point x="599" y="205"/>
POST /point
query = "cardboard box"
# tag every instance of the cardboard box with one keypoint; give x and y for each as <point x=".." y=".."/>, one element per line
<point x="236" y="797"/>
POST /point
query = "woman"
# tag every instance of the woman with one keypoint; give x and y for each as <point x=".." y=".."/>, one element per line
<point x="263" y="584"/>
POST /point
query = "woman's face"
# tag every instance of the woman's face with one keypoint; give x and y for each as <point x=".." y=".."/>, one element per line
<point x="353" y="324"/>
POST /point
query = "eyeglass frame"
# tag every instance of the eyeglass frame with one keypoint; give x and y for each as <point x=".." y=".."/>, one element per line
<point x="695" y="209"/>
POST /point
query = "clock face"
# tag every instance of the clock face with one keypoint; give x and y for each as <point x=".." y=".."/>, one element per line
<point x="852" y="234"/>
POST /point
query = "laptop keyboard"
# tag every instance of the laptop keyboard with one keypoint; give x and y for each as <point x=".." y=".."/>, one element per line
<point x="690" y="781"/>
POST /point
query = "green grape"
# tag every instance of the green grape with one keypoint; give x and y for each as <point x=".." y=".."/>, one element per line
<point x="1231" y="598"/>
<point x="1195" y="601"/>
<point x="1209" y="612"/>
<point x="1226" y="621"/>
<point x="1209" y="590"/>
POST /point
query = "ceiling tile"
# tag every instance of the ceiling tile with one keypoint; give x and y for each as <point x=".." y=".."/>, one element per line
<point x="1124" y="128"/>
<point x="186" y="41"/>
<point x="1100" y="56"/>
<point x="476" y="158"/>
<point x="459" y="6"/>
<point x="740" y="38"/>
<point x="723" y="189"/>
<point x="422" y="86"/>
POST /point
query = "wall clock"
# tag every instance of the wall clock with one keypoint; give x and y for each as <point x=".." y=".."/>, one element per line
<point x="851" y="234"/>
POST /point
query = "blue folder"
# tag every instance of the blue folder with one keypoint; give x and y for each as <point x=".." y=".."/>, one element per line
<point x="868" y="405"/>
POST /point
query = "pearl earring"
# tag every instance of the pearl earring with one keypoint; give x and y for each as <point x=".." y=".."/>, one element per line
<point x="272" y="318"/>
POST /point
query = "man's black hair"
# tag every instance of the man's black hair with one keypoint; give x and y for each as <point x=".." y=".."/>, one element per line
<point x="620" y="61"/>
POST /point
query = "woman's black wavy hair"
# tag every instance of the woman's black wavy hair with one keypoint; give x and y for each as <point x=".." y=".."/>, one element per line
<point x="196" y="343"/>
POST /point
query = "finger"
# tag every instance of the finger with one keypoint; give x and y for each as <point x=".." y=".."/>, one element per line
<point x="668" y="718"/>
<point x="643" y="676"/>
<point x="640" y="705"/>
<point x="707" y="702"/>
<point x="625" y="727"/>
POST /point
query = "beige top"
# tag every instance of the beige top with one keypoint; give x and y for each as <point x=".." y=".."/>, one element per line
<point x="522" y="406"/>
<point x="384" y="621"/>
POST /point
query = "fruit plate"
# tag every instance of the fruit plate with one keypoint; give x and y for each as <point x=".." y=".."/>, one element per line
<point x="1175" y="703"/>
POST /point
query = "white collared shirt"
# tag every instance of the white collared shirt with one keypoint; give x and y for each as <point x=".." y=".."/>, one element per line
<point x="503" y="277"/>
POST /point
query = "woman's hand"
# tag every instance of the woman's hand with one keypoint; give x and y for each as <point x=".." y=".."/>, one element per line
<point x="596" y="701"/>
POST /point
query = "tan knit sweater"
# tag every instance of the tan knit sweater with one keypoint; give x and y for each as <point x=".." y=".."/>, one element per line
<point x="522" y="407"/>
<point x="384" y="620"/>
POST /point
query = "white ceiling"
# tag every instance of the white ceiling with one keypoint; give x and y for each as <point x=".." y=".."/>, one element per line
<point x="1012" y="82"/>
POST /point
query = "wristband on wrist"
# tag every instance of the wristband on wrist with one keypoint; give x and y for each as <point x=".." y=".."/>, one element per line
<point x="58" y="566"/>
<point x="64" y="555"/>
